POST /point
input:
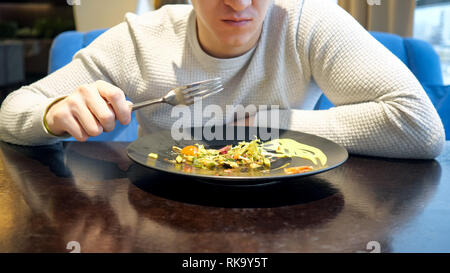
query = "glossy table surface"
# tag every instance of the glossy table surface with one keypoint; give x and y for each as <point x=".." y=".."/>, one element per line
<point x="93" y="194"/>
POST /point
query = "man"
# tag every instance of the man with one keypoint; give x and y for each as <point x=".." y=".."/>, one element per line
<point x="267" y="53"/>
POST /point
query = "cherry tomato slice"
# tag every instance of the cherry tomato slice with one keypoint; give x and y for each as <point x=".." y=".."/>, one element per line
<point x="189" y="150"/>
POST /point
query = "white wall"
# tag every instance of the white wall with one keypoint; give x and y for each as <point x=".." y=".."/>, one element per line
<point x="95" y="14"/>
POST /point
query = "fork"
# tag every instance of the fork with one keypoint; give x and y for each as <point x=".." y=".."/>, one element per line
<point x="185" y="94"/>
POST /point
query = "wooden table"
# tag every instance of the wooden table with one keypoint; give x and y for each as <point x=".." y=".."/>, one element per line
<point x="93" y="194"/>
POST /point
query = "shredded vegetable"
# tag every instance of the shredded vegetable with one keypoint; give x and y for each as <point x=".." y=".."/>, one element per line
<point x="245" y="154"/>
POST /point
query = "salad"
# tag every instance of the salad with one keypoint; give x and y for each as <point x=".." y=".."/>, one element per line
<point x="253" y="155"/>
<point x="245" y="154"/>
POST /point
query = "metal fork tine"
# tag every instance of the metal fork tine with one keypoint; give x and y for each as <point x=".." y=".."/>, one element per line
<point x="196" y="84"/>
<point x="206" y="93"/>
<point x="212" y="93"/>
<point x="200" y="86"/>
<point x="201" y="92"/>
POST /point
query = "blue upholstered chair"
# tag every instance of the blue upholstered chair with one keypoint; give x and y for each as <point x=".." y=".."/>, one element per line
<point x="63" y="48"/>
<point x="418" y="55"/>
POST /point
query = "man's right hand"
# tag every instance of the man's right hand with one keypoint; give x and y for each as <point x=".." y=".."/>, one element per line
<point x="89" y="111"/>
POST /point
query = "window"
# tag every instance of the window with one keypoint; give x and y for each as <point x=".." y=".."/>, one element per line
<point x="432" y="24"/>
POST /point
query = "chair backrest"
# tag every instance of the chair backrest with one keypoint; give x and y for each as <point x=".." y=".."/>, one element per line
<point x="419" y="56"/>
<point x="63" y="49"/>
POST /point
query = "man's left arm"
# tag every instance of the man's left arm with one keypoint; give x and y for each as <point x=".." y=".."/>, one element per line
<point x="381" y="108"/>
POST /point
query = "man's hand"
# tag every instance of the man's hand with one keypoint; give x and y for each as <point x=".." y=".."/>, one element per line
<point x="89" y="111"/>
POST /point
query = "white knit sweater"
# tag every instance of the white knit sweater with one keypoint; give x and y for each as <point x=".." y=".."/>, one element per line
<point x="306" y="47"/>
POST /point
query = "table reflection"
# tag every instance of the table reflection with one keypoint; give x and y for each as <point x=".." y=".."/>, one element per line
<point x="92" y="193"/>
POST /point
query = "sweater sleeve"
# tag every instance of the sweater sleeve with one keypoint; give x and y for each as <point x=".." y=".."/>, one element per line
<point x="381" y="108"/>
<point x="110" y="58"/>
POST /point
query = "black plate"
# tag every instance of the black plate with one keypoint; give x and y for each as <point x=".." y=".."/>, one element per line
<point x="161" y="143"/>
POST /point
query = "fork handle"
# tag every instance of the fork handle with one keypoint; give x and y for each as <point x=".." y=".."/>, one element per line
<point x="139" y="105"/>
